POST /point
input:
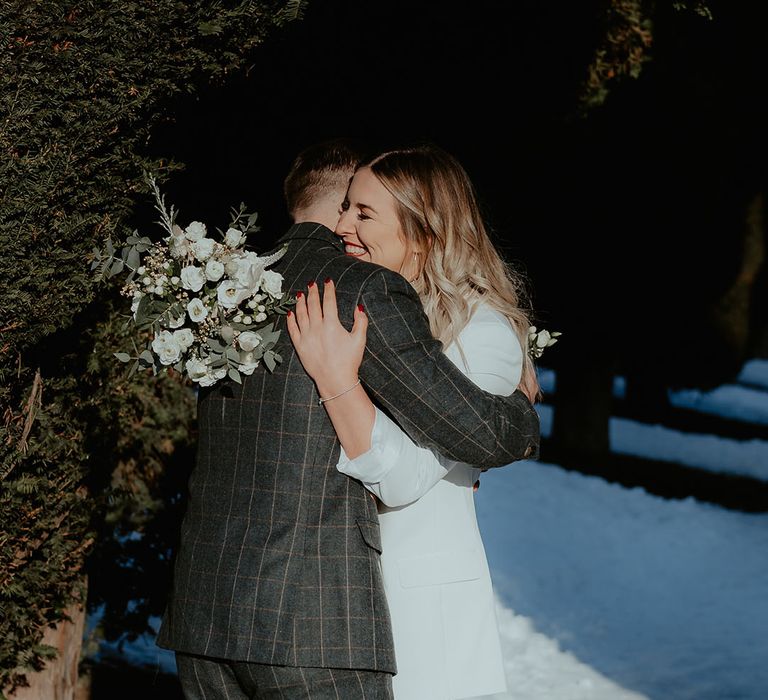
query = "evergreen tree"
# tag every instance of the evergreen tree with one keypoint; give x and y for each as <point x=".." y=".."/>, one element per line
<point x="83" y="451"/>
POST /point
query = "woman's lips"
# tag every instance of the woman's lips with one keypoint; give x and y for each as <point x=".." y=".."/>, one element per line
<point x="356" y="250"/>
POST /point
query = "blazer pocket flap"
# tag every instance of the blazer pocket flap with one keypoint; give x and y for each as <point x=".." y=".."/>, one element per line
<point x="369" y="529"/>
<point x="441" y="567"/>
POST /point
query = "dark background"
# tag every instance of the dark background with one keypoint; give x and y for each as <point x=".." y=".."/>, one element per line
<point x="628" y="219"/>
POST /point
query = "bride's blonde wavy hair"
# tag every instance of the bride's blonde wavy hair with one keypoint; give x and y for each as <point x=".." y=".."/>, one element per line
<point x="458" y="265"/>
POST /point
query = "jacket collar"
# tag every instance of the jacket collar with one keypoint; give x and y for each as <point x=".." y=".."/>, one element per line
<point x="313" y="231"/>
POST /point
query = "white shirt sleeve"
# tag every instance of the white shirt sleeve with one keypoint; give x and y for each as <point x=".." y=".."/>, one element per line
<point x="396" y="469"/>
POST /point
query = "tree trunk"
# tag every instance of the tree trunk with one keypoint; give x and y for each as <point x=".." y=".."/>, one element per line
<point x="583" y="403"/>
<point x="59" y="679"/>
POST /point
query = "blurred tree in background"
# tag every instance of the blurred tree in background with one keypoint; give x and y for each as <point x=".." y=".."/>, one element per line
<point x="85" y="453"/>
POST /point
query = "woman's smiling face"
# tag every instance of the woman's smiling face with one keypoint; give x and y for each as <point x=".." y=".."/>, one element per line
<point x="368" y="223"/>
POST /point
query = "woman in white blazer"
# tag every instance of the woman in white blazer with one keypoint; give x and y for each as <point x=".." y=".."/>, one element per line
<point x="414" y="211"/>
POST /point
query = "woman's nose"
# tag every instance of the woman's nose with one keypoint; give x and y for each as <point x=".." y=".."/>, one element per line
<point x="344" y="226"/>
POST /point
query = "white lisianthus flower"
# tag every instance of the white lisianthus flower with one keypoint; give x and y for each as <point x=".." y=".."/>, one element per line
<point x="178" y="243"/>
<point x="166" y="348"/>
<point x="232" y="266"/>
<point x="214" y="270"/>
<point x="233" y="238"/>
<point x="135" y="303"/>
<point x="212" y="376"/>
<point x="177" y="322"/>
<point x="230" y="294"/>
<point x="248" y="340"/>
<point x="192" y="278"/>
<point x="203" y="249"/>
<point x="542" y="339"/>
<point x="196" y="310"/>
<point x="196" y="369"/>
<point x="247" y="363"/>
<point x="195" y="231"/>
<point x="184" y="338"/>
<point x="272" y="283"/>
<point x="260" y="317"/>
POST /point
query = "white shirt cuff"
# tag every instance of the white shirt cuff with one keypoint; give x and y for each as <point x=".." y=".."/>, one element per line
<point x="372" y="466"/>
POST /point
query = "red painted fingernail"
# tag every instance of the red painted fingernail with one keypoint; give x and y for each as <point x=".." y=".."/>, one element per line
<point x="360" y="308"/>
<point x="328" y="280"/>
<point x="299" y="295"/>
<point x="311" y="283"/>
<point x="290" y="313"/>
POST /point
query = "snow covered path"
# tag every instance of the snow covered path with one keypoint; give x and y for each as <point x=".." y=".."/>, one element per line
<point x="668" y="599"/>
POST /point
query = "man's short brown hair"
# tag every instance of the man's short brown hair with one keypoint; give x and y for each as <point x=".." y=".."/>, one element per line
<point x="319" y="168"/>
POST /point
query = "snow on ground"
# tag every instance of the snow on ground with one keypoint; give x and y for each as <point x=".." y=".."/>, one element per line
<point x="668" y="599"/>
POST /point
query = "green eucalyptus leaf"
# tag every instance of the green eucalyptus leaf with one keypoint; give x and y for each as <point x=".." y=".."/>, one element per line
<point x="122" y="356"/>
<point x="133" y="259"/>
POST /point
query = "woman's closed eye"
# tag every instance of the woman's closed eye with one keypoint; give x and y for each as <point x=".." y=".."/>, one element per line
<point x="362" y="217"/>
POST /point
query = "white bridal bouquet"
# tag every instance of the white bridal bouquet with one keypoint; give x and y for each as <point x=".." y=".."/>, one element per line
<point x="205" y="307"/>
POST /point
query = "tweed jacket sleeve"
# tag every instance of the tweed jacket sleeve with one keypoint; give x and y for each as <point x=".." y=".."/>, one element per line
<point x="405" y="371"/>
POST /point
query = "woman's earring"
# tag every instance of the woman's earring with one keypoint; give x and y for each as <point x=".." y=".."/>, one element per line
<point x="416" y="265"/>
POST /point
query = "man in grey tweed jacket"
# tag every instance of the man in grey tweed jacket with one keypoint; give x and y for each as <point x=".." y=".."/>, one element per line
<point x="277" y="589"/>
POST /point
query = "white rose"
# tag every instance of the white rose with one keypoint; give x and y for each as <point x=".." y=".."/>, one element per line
<point x="166" y="348"/>
<point x="214" y="270"/>
<point x="272" y="283"/>
<point x="184" y="338"/>
<point x="248" y="340"/>
<point x="195" y="231"/>
<point x="196" y="369"/>
<point x="247" y="363"/>
<point x="230" y="294"/>
<point x="203" y="249"/>
<point x="260" y="317"/>
<point x="233" y="237"/>
<point x="192" y="278"/>
<point x="196" y="310"/>
<point x="250" y="267"/>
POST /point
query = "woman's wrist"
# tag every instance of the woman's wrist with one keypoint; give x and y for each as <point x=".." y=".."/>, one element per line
<point x="335" y="384"/>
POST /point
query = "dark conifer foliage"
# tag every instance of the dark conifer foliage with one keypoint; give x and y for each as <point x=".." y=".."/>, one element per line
<point x="83" y="451"/>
